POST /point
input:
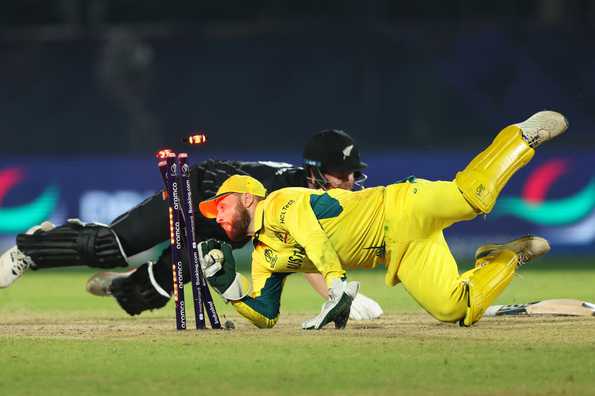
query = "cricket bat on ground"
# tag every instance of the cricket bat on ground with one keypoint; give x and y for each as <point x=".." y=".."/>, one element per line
<point x="558" y="307"/>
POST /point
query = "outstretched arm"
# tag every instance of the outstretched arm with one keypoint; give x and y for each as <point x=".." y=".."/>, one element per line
<point x="318" y="284"/>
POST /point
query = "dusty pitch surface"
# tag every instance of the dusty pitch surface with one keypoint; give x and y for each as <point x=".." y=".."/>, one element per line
<point x="523" y="330"/>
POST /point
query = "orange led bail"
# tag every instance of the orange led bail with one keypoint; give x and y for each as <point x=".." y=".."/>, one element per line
<point x="163" y="153"/>
<point x="199" y="138"/>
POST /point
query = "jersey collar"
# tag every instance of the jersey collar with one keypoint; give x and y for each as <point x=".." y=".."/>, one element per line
<point x="258" y="218"/>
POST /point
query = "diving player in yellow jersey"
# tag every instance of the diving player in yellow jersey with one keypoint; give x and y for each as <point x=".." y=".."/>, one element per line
<point x="399" y="226"/>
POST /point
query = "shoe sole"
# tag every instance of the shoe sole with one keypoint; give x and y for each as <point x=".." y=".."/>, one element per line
<point x="528" y="247"/>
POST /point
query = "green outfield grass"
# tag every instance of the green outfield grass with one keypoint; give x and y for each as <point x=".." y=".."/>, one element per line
<point x="55" y="339"/>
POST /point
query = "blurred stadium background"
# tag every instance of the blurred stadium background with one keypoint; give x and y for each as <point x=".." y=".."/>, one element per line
<point x="89" y="90"/>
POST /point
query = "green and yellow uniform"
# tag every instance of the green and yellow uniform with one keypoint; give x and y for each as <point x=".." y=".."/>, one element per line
<point x="400" y="226"/>
<point x="302" y="230"/>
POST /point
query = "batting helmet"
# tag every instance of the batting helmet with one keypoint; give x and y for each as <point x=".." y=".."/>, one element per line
<point x="332" y="150"/>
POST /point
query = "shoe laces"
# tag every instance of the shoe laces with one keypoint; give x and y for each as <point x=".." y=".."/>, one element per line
<point x="21" y="262"/>
<point x="523" y="259"/>
<point x="533" y="140"/>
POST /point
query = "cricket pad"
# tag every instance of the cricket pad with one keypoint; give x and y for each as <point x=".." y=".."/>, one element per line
<point x="72" y="244"/>
<point x="486" y="282"/>
<point x="486" y="175"/>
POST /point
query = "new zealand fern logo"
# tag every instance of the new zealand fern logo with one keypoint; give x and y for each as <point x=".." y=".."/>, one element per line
<point x="14" y="219"/>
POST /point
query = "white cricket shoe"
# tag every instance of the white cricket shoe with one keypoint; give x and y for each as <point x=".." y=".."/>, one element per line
<point x="14" y="263"/>
<point x="526" y="248"/>
<point x="100" y="283"/>
<point x="543" y="126"/>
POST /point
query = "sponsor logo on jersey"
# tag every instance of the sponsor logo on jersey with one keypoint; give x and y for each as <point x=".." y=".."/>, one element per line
<point x="284" y="210"/>
<point x="270" y="257"/>
<point x="297" y="257"/>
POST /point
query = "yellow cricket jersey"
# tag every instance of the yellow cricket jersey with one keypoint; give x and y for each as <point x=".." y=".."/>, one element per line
<point x="304" y="230"/>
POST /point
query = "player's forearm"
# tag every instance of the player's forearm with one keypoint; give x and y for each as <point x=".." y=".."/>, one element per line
<point x="317" y="282"/>
<point x="325" y="259"/>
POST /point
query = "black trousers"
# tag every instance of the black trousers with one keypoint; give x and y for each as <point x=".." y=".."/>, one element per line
<point x="147" y="224"/>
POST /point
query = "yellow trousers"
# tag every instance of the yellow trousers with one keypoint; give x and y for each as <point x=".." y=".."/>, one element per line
<point x="415" y="215"/>
<point x="418" y="254"/>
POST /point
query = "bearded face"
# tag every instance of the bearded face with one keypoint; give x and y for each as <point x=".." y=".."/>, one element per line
<point x="233" y="217"/>
<point x="239" y="224"/>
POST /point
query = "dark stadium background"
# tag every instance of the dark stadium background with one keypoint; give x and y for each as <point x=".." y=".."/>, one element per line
<point x="90" y="89"/>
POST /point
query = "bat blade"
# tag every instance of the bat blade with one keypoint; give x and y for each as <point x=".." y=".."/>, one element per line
<point x="556" y="307"/>
<point x="561" y="307"/>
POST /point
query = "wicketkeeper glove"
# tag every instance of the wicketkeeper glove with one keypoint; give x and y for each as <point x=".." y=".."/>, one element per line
<point x="336" y="309"/>
<point x="219" y="266"/>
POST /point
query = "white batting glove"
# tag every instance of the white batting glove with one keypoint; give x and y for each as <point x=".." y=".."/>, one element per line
<point x="364" y="308"/>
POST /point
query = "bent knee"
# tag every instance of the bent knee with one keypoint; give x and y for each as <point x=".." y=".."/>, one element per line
<point x="449" y="312"/>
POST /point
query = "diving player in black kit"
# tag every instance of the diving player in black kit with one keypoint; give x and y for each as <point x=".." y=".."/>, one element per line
<point x="331" y="160"/>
